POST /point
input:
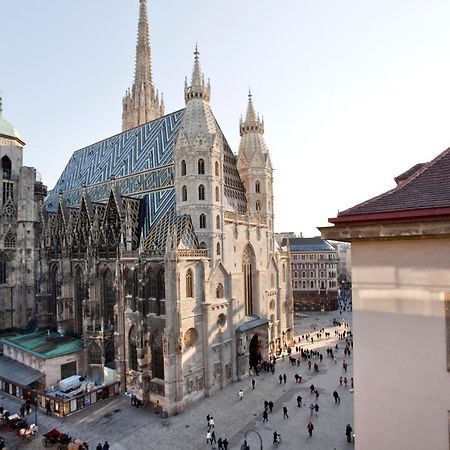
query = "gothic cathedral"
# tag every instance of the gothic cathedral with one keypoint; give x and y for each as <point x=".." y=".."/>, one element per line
<point x="156" y="246"/>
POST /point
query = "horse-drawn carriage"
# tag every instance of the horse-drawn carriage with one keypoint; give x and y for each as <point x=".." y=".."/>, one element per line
<point x="63" y="441"/>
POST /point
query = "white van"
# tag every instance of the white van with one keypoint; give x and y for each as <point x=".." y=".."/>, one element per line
<point x="70" y="383"/>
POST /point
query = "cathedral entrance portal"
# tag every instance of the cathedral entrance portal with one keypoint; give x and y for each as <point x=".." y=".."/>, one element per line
<point x="255" y="351"/>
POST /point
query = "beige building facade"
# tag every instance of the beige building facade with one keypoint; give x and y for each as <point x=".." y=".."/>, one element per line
<point x="401" y="310"/>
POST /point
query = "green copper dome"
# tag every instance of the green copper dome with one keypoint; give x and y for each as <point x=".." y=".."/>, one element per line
<point x="6" y="129"/>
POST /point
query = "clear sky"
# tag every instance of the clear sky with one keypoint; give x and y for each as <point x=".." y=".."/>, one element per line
<point x="353" y="92"/>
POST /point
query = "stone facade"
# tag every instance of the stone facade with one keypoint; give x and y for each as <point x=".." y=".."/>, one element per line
<point x="20" y="223"/>
<point x="157" y="247"/>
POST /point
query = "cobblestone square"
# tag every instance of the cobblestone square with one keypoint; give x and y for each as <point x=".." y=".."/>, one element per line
<point x="128" y="428"/>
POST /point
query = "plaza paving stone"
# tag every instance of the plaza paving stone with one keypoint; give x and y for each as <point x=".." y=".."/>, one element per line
<point x="128" y="428"/>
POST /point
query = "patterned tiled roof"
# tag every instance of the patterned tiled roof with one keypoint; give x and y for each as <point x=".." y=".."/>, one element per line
<point x="140" y="159"/>
<point x="428" y="187"/>
<point x="182" y="225"/>
<point x="141" y="162"/>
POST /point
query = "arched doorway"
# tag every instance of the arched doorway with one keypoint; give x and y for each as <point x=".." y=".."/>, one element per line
<point x="255" y="351"/>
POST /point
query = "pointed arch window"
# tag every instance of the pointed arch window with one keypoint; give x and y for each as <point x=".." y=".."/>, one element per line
<point x="80" y="292"/>
<point x="303" y="284"/>
<point x="94" y="354"/>
<point x="161" y="292"/>
<point x="219" y="290"/>
<point x="183" y="168"/>
<point x="202" y="245"/>
<point x="201" y="192"/>
<point x="217" y="194"/>
<point x="248" y="264"/>
<point x="218" y="222"/>
<point x="108" y="299"/>
<point x="216" y="168"/>
<point x="157" y="355"/>
<point x="6" y="167"/>
<point x="258" y="206"/>
<point x="132" y="348"/>
<point x="10" y="240"/>
<point x="257" y="187"/>
<point x="189" y="284"/>
<point x="295" y="284"/>
<point x="218" y="249"/>
<point x="2" y="269"/>
<point x="202" y="221"/>
<point x="184" y="194"/>
<point x="201" y="166"/>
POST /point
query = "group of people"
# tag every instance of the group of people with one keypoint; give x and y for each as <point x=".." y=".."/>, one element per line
<point x="105" y="446"/>
<point x="222" y="443"/>
<point x="309" y="355"/>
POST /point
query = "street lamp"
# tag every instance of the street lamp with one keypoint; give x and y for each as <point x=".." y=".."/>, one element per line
<point x="254" y="431"/>
<point x="35" y="406"/>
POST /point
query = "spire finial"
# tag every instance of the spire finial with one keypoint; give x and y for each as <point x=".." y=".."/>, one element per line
<point x="198" y="87"/>
<point x="1" y="103"/>
<point x="252" y="122"/>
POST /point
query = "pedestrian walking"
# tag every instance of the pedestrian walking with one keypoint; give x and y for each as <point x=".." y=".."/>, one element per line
<point x="280" y="378"/>
<point x="253" y="383"/>
<point x="317" y="394"/>
<point x="348" y="432"/>
<point x="211" y="422"/>
<point x="351" y="382"/>
<point x="312" y="388"/>
<point x="266" y="405"/>
<point x="316" y="408"/>
<point x="265" y="417"/>
<point x="299" y="401"/>
<point x="220" y="444"/>
<point x="106" y="446"/>
<point x="208" y="437"/>
<point x="340" y="380"/>
<point x="285" y="413"/>
<point x="213" y="437"/>
<point x="335" y="395"/>
<point x="345" y="381"/>
<point x="284" y="378"/>
<point x="208" y="417"/>
<point x="225" y="444"/>
<point x="241" y="394"/>
<point x="99" y="447"/>
<point x="270" y="405"/>
<point x="310" y="428"/>
<point x="311" y="409"/>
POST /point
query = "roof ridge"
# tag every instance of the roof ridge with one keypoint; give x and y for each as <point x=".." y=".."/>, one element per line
<point x="419" y="172"/>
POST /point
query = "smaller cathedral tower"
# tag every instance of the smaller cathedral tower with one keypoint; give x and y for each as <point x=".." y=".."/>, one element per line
<point x="142" y="104"/>
<point x="255" y="167"/>
<point x="198" y="159"/>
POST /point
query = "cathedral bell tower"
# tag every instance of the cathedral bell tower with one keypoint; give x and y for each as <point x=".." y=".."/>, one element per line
<point x="255" y="167"/>
<point x="198" y="160"/>
<point x="142" y="104"/>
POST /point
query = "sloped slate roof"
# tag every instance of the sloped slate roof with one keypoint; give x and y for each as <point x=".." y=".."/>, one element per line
<point x="314" y="244"/>
<point x="427" y="188"/>
<point x="18" y="373"/>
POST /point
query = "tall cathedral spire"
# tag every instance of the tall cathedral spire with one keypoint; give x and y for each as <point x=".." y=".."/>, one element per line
<point x="142" y="104"/>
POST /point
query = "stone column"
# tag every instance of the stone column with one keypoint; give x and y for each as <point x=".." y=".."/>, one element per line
<point x="232" y="332"/>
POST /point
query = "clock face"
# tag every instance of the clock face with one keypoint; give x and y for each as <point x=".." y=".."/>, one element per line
<point x="221" y="321"/>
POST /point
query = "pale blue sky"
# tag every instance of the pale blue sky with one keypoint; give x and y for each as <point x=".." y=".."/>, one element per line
<point x="353" y="92"/>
